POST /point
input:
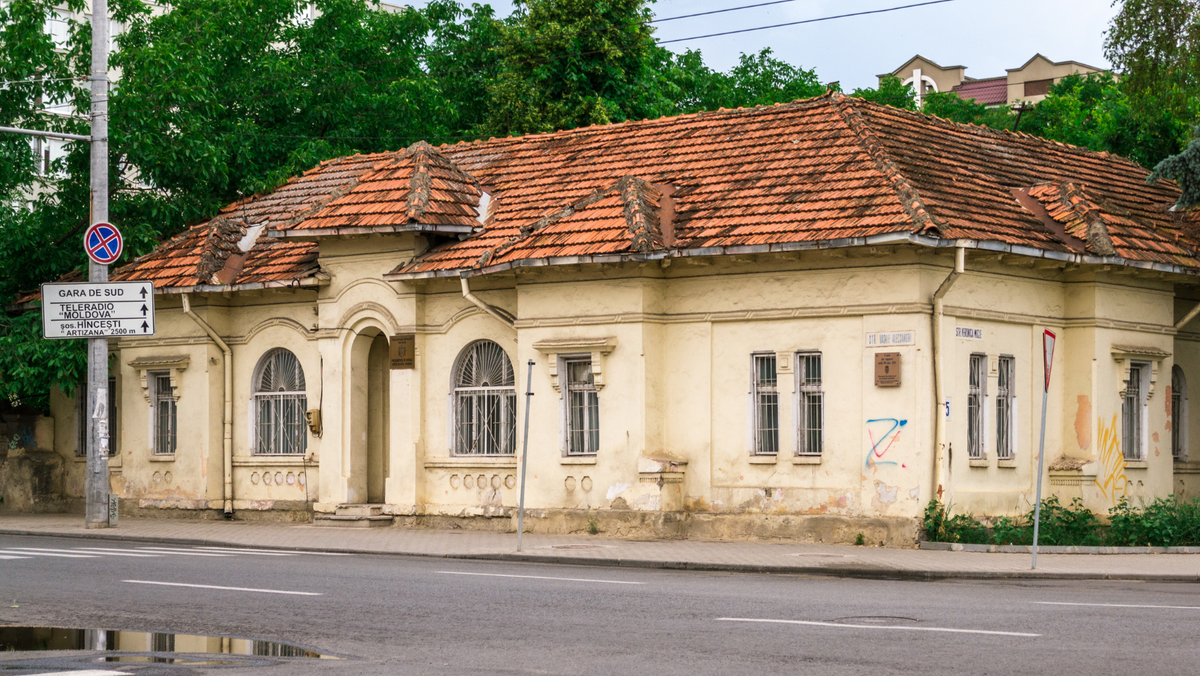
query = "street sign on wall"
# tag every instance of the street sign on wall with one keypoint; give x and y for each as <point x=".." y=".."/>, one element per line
<point x="97" y="310"/>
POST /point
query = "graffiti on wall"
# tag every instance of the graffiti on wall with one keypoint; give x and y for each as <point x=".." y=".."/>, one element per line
<point x="1110" y="476"/>
<point x="883" y="433"/>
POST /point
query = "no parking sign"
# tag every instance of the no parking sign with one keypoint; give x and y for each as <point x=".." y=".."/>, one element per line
<point x="103" y="243"/>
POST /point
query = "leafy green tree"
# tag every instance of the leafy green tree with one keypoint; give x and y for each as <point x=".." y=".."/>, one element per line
<point x="891" y="92"/>
<point x="967" y="111"/>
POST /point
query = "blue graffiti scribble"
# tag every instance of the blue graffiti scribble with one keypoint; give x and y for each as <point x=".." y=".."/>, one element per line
<point x="890" y="436"/>
<point x="28" y="438"/>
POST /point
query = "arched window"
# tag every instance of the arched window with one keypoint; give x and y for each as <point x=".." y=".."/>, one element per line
<point x="485" y="401"/>
<point x="1178" y="414"/>
<point x="279" y="404"/>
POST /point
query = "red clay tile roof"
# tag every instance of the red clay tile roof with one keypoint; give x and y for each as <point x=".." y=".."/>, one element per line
<point x="789" y="176"/>
<point x="416" y="187"/>
<point x="991" y="91"/>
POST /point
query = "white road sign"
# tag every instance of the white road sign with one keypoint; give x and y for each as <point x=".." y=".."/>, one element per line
<point x="97" y="310"/>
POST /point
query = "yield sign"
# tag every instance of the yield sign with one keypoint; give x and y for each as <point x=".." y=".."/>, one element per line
<point x="103" y="243"/>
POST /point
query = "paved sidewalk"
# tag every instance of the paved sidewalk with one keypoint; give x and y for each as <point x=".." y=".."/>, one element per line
<point x="753" y="557"/>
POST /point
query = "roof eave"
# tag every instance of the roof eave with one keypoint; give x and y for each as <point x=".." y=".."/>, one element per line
<point x="781" y="247"/>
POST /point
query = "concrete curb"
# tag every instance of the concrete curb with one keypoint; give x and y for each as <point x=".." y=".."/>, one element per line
<point x="1051" y="549"/>
<point x="856" y="571"/>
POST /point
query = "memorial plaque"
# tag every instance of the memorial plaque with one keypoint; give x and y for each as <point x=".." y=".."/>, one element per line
<point x="887" y="369"/>
<point x="403" y="351"/>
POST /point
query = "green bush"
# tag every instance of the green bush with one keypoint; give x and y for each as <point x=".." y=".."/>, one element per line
<point x="1165" y="522"/>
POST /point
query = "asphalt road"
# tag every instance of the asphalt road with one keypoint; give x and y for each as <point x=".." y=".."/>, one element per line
<point x="407" y="615"/>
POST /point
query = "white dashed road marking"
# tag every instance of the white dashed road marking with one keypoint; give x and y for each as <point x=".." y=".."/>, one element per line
<point x="879" y="626"/>
<point x="1113" y="605"/>
<point x="35" y="552"/>
<point x="538" y="577"/>
<point x="213" y="586"/>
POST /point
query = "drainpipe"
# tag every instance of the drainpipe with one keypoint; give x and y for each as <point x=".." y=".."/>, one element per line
<point x="227" y="416"/>
<point x="1187" y="318"/>
<point x="478" y="302"/>
<point x="939" y="449"/>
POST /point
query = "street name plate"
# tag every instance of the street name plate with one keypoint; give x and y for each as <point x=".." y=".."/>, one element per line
<point x="97" y="309"/>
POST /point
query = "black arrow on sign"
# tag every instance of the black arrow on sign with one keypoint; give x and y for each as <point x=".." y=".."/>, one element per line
<point x="144" y="310"/>
<point x="145" y="327"/>
<point x="143" y="293"/>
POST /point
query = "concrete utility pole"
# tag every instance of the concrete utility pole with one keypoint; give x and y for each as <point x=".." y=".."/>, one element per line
<point x="97" y="385"/>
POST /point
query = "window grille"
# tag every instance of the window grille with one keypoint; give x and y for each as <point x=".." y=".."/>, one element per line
<point x="976" y="391"/>
<point x="83" y="418"/>
<point x="583" y="408"/>
<point x="272" y="649"/>
<point x="766" y="405"/>
<point x="1131" y="415"/>
<point x="164" y="415"/>
<point x="1005" y="409"/>
<point x="162" y="643"/>
<point x="279" y="403"/>
<point x="810" y="428"/>
<point x="485" y="401"/>
<point x="1178" y="414"/>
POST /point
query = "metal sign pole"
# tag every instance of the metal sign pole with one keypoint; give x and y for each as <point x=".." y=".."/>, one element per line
<point x="1048" y="338"/>
<point x="97" y="385"/>
<point x="524" y="454"/>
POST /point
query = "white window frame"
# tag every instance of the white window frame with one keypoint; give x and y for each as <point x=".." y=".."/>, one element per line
<point x="807" y="390"/>
<point x="159" y="399"/>
<point x="1133" y="412"/>
<point x="591" y="415"/>
<point x="503" y="393"/>
<point x="289" y="403"/>
<point x="765" y="438"/>
<point x="1006" y="407"/>
<point x="977" y="406"/>
<point x="1179" y="414"/>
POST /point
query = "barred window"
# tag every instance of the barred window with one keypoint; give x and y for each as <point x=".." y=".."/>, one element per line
<point x="164" y="413"/>
<point x="280" y="399"/>
<point x="83" y="418"/>
<point x="765" y="395"/>
<point x="976" y="391"/>
<point x="485" y="401"/>
<point x="1132" y="412"/>
<point x="583" y="408"/>
<point x="810" y="424"/>
<point x="1178" y="414"/>
<point x="1005" y="407"/>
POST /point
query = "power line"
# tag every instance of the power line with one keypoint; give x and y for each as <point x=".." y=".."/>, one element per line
<point x="797" y="23"/>
<point x="722" y="11"/>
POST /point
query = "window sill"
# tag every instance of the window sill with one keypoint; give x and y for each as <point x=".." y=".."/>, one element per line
<point x="806" y="460"/>
<point x="578" y="460"/>
<point x="471" y="461"/>
<point x="1136" y="464"/>
<point x="111" y="459"/>
<point x="978" y="462"/>
<point x="763" y="460"/>
<point x="270" y="460"/>
<point x="1007" y="464"/>
<point x="161" y="458"/>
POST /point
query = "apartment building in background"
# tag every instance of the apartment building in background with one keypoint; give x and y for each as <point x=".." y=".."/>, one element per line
<point x="1028" y="83"/>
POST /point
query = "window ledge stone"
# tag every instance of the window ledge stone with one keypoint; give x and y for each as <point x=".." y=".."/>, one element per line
<point x="806" y="460"/>
<point x="1136" y="464"/>
<point x="271" y="460"/>
<point x="161" y="457"/>
<point x="979" y="462"/>
<point x="578" y="460"/>
<point x="764" y="460"/>
<point x="459" y="462"/>
<point x="1008" y="464"/>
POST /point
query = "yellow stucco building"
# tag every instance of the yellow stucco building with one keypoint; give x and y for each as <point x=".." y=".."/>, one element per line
<point x="800" y="321"/>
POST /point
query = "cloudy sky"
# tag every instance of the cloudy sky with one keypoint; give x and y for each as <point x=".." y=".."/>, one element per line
<point x="986" y="36"/>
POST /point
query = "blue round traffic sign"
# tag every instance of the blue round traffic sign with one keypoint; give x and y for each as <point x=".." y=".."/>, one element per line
<point x="103" y="243"/>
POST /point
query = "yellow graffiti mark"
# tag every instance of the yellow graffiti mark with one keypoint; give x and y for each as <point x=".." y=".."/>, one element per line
<point x="1111" y="477"/>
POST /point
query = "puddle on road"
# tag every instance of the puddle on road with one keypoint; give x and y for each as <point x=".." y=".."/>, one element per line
<point x="148" y="647"/>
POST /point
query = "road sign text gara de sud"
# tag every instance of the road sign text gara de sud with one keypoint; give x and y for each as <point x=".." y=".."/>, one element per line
<point x="97" y="310"/>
